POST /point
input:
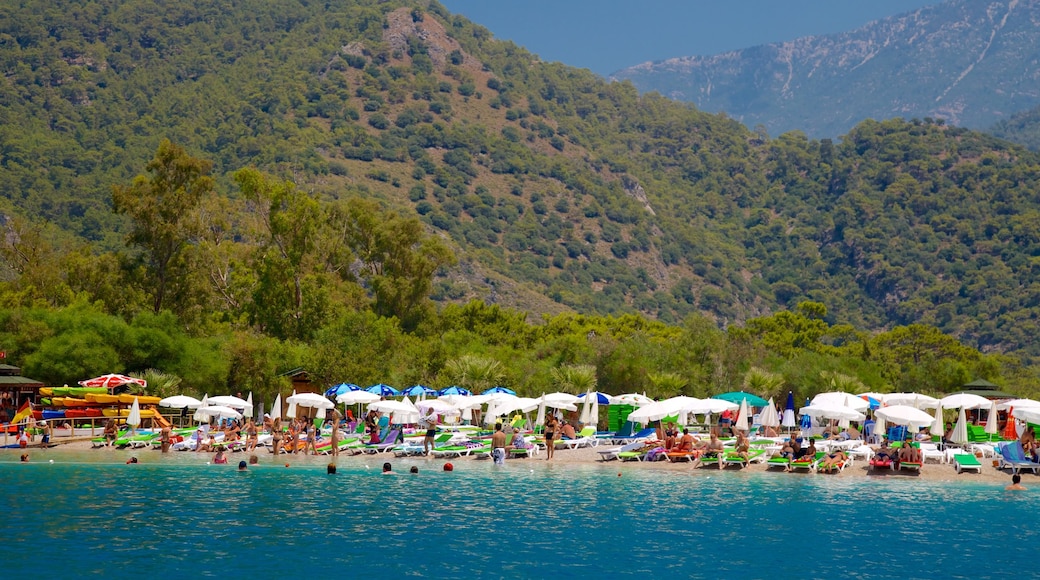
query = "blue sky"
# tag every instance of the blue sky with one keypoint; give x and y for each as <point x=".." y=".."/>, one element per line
<point x="608" y="35"/>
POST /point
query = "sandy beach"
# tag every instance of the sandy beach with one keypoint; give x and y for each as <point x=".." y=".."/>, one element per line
<point x="931" y="471"/>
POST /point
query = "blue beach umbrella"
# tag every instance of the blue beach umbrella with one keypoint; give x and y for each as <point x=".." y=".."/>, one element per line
<point x="499" y="389"/>
<point x="601" y="398"/>
<point x="339" y="389"/>
<point x="418" y="391"/>
<point x="453" y="390"/>
<point x="789" y="419"/>
<point x="383" y="390"/>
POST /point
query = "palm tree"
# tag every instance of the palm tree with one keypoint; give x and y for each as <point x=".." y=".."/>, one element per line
<point x="160" y="384"/>
<point x="666" y="385"/>
<point x="476" y="373"/>
<point x="763" y="383"/>
<point x="844" y="383"/>
<point x="575" y="378"/>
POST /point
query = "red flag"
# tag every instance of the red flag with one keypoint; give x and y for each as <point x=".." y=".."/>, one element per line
<point x="23" y="412"/>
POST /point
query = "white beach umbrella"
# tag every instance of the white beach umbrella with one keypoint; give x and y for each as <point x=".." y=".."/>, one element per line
<point x="741" y="423"/>
<point x="655" y="411"/>
<point x="904" y="415"/>
<point x="401" y="411"/>
<point x="839" y="399"/>
<point x="964" y="401"/>
<point x="836" y="413"/>
<point x="913" y="399"/>
<point x="134" y="418"/>
<point x="594" y="412"/>
<point x="229" y="401"/>
<point x="248" y="411"/>
<point x="880" y="427"/>
<point x="540" y="419"/>
<point x="938" y="427"/>
<point x="180" y="402"/>
<point x="276" y="407"/>
<point x="960" y="430"/>
<point x="221" y="411"/>
<point x="291" y="411"/>
<point x="1017" y="404"/>
<point x="357" y="397"/>
<point x="584" y="418"/>
<point x="769" y="417"/>
<point x="633" y="399"/>
<point x="201" y="417"/>
<point x="312" y="400"/>
<point x="491" y="413"/>
<point x="438" y="406"/>
<point x="708" y="406"/>
<point x="565" y="398"/>
<point x="991" y="419"/>
<point x="1027" y="414"/>
<point x="522" y="404"/>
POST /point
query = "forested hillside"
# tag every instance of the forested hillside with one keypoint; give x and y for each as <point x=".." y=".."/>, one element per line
<point x="278" y="177"/>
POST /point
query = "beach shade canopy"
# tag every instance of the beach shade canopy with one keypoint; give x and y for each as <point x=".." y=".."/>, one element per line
<point x="499" y="389"/>
<point x="180" y="402"/>
<point x="1027" y="414"/>
<point x="276" y="407"/>
<point x="220" y="411"/>
<point x="515" y="404"/>
<point x="134" y="417"/>
<point x="1017" y="404"/>
<point x="313" y="400"/>
<point x="657" y="411"/>
<point x="290" y="412"/>
<point x="905" y="415"/>
<point x="229" y="401"/>
<point x="463" y="402"/>
<point x="960" y="430"/>
<point x="419" y="391"/>
<point x="872" y="399"/>
<point x="991" y="419"/>
<point x="742" y="423"/>
<point x="769" y="417"/>
<point x="836" y="412"/>
<point x="789" y="420"/>
<point x="200" y="417"/>
<point x="913" y="399"/>
<point x="839" y="399"/>
<point x="706" y="406"/>
<point x="337" y="390"/>
<point x="633" y="399"/>
<point x="402" y="411"/>
<point x="601" y="398"/>
<point x="112" y="381"/>
<point x="584" y="417"/>
<point x="356" y="397"/>
<point x="384" y="390"/>
<point x="738" y="396"/>
<point x="439" y="406"/>
<point x="453" y="390"/>
<point x="565" y="398"/>
<point x="964" y="401"/>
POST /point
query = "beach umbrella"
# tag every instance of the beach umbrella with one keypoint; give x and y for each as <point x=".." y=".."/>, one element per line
<point x="599" y="398"/>
<point x="873" y="399"/>
<point x="1017" y="404"/>
<point x="913" y="399"/>
<point x="565" y="398"/>
<point x="291" y="411"/>
<point x="832" y="412"/>
<point x="439" y="406"/>
<point x="313" y="400"/>
<point x="738" y="396"/>
<point x="357" y="397"/>
<point x="112" y="381"/>
<point x="229" y="401"/>
<point x="633" y="399"/>
<point x="134" y="418"/>
<point x="769" y="416"/>
<point x="1027" y="414"/>
<point x="337" y="390"/>
<point x="584" y="418"/>
<point x="180" y="402"/>
<point x="963" y="401"/>
<point x="742" y="423"/>
<point x="453" y="390"/>
<point x="937" y="423"/>
<point x="248" y="411"/>
<point x="418" y="391"/>
<point x="594" y="412"/>
<point x="904" y="415"/>
<point x="540" y="419"/>
<point x="201" y="417"/>
<point x="383" y="390"/>
<point x="1010" y="433"/>
<point x="276" y="407"/>
<point x="789" y="420"/>
<point x="880" y="426"/>
<point x="656" y="411"/>
<point x="220" y="411"/>
<point x="839" y="399"/>
<point x="991" y="419"/>
<point x="522" y="404"/>
<point x="960" y="430"/>
<point x="401" y="411"/>
<point x="499" y="389"/>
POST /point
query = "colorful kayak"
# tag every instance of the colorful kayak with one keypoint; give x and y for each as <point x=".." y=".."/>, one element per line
<point x="82" y="391"/>
<point x="128" y="399"/>
<point x="102" y="398"/>
<point x="73" y="402"/>
<point x="46" y="391"/>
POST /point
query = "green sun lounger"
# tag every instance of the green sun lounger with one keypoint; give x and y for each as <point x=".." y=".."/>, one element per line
<point x="965" y="462"/>
<point x="778" y="462"/>
<point x="807" y="462"/>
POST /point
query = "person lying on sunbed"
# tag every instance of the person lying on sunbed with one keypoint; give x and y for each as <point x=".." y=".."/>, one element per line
<point x="885" y="452"/>
<point x="833" y="460"/>
<point x="908" y="453"/>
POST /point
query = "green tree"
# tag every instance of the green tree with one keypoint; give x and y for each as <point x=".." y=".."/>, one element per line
<point x="161" y="206"/>
<point x="476" y="373"/>
<point x="575" y="379"/>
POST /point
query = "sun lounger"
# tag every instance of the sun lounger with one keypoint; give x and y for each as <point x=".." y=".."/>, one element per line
<point x="1012" y="455"/>
<point x="639" y="436"/>
<point x="910" y="465"/>
<point x="611" y="454"/>
<point x="387" y="443"/>
<point x="781" y="461"/>
<point x="839" y="466"/>
<point x="732" y="458"/>
<point x="806" y="462"/>
<point x="585" y="438"/>
<point x="965" y="462"/>
<point x="882" y="463"/>
<point x="677" y="456"/>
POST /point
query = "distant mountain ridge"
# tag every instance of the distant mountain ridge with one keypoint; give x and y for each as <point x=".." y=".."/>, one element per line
<point x="969" y="63"/>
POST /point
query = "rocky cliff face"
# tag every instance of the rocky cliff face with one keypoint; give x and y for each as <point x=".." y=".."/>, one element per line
<point x="970" y="62"/>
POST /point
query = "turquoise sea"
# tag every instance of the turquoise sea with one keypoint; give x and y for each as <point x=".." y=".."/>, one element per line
<point x="88" y="514"/>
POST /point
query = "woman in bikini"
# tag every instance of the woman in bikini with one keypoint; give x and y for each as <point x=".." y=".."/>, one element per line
<point x="550" y="434"/>
<point x="276" y="435"/>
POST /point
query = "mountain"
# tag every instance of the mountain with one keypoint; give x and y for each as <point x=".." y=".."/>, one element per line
<point x="554" y="190"/>
<point x="1022" y="128"/>
<point x="967" y="62"/>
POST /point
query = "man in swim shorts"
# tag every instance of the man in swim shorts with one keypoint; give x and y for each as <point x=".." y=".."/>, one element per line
<point x="498" y="445"/>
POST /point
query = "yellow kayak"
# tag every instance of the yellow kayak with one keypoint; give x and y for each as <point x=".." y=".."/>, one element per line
<point x="128" y="399"/>
<point x="46" y="391"/>
<point x="102" y="399"/>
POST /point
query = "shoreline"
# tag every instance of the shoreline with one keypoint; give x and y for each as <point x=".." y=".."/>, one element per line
<point x="932" y="472"/>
